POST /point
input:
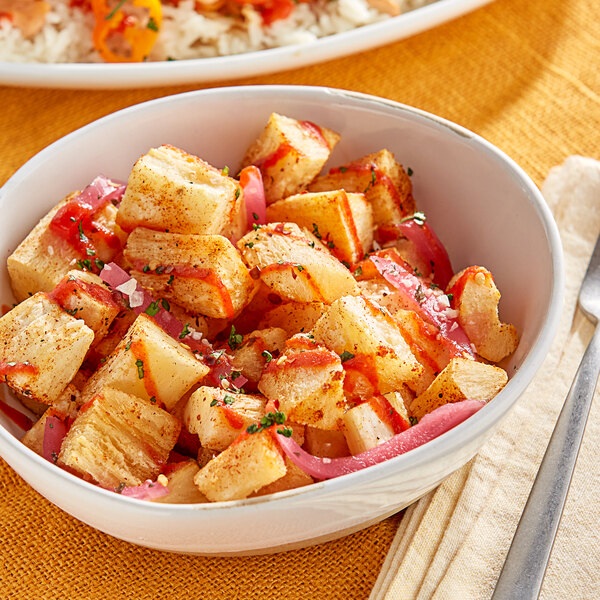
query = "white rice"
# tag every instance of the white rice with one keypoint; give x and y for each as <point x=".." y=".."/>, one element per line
<point x="185" y="33"/>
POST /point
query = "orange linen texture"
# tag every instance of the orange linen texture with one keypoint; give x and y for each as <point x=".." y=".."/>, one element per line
<point x="523" y="74"/>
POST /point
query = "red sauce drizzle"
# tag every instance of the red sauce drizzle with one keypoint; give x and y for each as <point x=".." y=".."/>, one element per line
<point x="74" y="223"/>
<point x="384" y="410"/>
<point x="272" y="159"/>
<point x="319" y="357"/>
<point x="232" y="417"/>
<point x="375" y="177"/>
<point x="315" y="132"/>
<point x="5" y="308"/>
<point x="64" y="291"/>
<point x="139" y="352"/>
<point x="459" y="285"/>
<point x="361" y="378"/>
<point x="10" y="368"/>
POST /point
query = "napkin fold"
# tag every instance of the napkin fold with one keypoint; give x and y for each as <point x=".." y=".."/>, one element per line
<point x="452" y="543"/>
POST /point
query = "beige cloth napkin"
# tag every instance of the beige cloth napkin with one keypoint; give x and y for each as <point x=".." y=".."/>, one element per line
<point x="451" y="544"/>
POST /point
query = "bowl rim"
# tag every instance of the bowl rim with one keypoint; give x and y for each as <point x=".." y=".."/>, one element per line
<point x="491" y="414"/>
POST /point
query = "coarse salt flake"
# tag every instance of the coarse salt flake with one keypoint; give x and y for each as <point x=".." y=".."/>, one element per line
<point x="127" y="288"/>
<point x="136" y="299"/>
<point x="50" y="250"/>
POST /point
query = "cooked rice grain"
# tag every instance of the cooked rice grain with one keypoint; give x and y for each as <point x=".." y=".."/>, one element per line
<point x="67" y="34"/>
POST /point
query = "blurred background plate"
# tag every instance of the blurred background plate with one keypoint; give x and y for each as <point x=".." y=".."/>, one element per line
<point x="202" y="70"/>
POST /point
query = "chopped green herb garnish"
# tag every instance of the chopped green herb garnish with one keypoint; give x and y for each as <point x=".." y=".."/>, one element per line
<point x="270" y="419"/>
<point x="113" y="12"/>
<point x="235" y="374"/>
<point x="152" y="309"/>
<point x="358" y="272"/>
<point x="185" y="331"/>
<point x="316" y="232"/>
<point x="311" y="244"/>
<point x="373" y="180"/>
<point x="409" y="171"/>
<point x="413" y="420"/>
<point x="227" y="399"/>
<point x="225" y="170"/>
<point x="90" y="252"/>
<point x="128" y="346"/>
<point x="146" y="268"/>
<point x="346" y="264"/>
<point x="343" y="169"/>
<point x="152" y="24"/>
<point x="255" y="216"/>
<point x="286" y="431"/>
<point x="165" y="304"/>
<point x="249" y="244"/>
<point x="237" y="193"/>
<point x="252" y="428"/>
<point x="345" y="355"/>
<point x="159" y="270"/>
<point x="153" y="399"/>
<point x="170" y="280"/>
<point x="72" y="311"/>
<point x="82" y="237"/>
<point x="140" y="367"/>
<point x="235" y="339"/>
<point x="330" y="244"/>
<point x="99" y="263"/>
<point x="214" y="402"/>
<point x="450" y="297"/>
<point x="418" y="217"/>
<point x="267" y="355"/>
<point x="256" y="226"/>
<point x="299" y="267"/>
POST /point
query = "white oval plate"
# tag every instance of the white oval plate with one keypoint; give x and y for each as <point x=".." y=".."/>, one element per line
<point x="113" y="76"/>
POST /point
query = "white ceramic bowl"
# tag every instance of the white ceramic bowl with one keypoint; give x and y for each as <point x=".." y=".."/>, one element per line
<point x="481" y="204"/>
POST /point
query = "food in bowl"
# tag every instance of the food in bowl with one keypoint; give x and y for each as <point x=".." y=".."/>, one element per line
<point x="67" y="31"/>
<point x="193" y="336"/>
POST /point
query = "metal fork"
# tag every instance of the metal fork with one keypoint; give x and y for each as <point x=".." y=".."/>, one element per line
<point x="523" y="572"/>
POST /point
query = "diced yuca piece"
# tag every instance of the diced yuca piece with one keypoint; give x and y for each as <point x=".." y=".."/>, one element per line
<point x="327" y="444"/>
<point x="180" y="481"/>
<point x="248" y="464"/>
<point x="295" y="267"/>
<point x="256" y="349"/>
<point x="118" y="438"/>
<point x="426" y="345"/>
<point x="43" y="258"/>
<point x="462" y="379"/>
<point x="171" y="190"/>
<point x="366" y="426"/>
<point x="476" y="298"/>
<point x="64" y="408"/>
<point x="309" y="385"/>
<point x="343" y="221"/>
<point x="294" y="317"/>
<point x="202" y="273"/>
<point x="400" y="401"/>
<point x="358" y="327"/>
<point x="290" y="154"/>
<point x="218" y="417"/>
<point x="380" y="178"/>
<point x="294" y="477"/>
<point x="41" y="348"/>
<point x="147" y="363"/>
<point x="381" y="292"/>
<point x="85" y="296"/>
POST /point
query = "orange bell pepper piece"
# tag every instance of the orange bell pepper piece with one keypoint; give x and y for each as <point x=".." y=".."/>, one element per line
<point x="140" y="39"/>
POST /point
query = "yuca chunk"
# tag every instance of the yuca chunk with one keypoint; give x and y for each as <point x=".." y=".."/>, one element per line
<point x="380" y="178"/>
<point x="325" y="443"/>
<point x="294" y="317"/>
<point x="118" y="438"/>
<point x="358" y="327"/>
<point x="294" y="266"/>
<point x="218" y="417"/>
<point x="290" y="154"/>
<point x="171" y="190"/>
<point x="343" y="221"/>
<point x="85" y="296"/>
<point x="476" y="298"/>
<point x="309" y="385"/>
<point x="248" y="464"/>
<point x="43" y="258"/>
<point x="41" y="348"/>
<point x="147" y="363"/>
<point x="294" y="477"/>
<point x="180" y="481"/>
<point x="365" y="428"/>
<point x="256" y="350"/>
<point x="202" y="273"/>
<point x="462" y="379"/>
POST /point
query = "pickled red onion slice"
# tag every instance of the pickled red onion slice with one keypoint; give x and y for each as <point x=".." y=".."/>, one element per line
<point x="254" y="195"/>
<point x="432" y="425"/>
<point x="426" y="304"/>
<point x="149" y="490"/>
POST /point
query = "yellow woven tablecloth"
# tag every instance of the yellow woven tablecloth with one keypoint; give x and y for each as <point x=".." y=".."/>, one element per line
<point x="524" y="74"/>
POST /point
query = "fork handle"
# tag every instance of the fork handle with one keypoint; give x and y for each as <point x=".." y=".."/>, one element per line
<point x="523" y="572"/>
